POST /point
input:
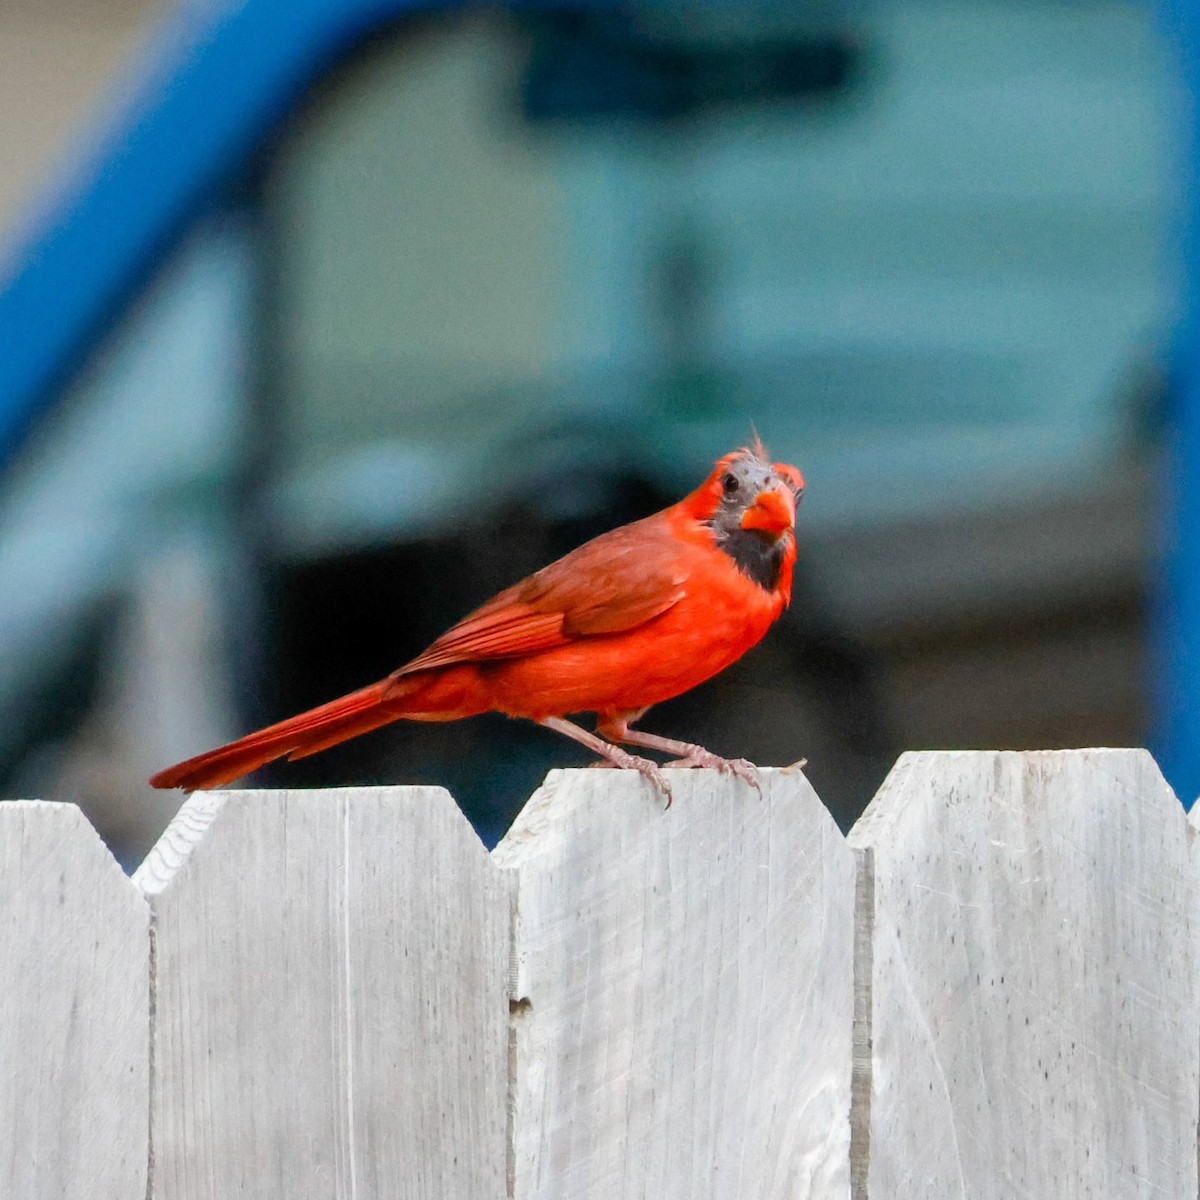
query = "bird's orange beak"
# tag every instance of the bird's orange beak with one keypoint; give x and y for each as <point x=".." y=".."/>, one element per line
<point x="773" y="512"/>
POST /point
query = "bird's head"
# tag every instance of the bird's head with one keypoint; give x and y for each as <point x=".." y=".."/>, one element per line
<point x="746" y="492"/>
<point x="750" y="503"/>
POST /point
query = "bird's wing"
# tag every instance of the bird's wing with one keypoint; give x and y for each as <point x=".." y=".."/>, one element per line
<point x="616" y="582"/>
<point x="502" y="629"/>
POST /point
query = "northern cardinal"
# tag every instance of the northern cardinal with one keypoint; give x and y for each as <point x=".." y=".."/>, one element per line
<point x="629" y="619"/>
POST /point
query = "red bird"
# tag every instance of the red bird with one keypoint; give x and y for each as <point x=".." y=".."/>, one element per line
<point x="631" y="618"/>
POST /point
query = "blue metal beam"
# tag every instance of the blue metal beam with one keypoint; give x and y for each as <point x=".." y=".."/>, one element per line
<point x="1176" y="658"/>
<point x="220" y="77"/>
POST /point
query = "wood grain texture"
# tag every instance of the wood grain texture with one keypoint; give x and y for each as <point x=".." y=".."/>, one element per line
<point x="74" y="1011"/>
<point x="1034" y="979"/>
<point x="683" y="991"/>
<point x="331" y="999"/>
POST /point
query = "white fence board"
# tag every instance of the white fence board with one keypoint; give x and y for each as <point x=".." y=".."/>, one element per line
<point x="331" y="999"/>
<point x="74" y="1011"/>
<point x="683" y="991"/>
<point x="1034" y="984"/>
<point x="993" y="991"/>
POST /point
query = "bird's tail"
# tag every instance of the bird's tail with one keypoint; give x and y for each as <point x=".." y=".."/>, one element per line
<point x="297" y="737"/>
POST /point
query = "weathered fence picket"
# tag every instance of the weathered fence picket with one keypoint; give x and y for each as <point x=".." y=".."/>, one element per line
<point x="684" y="990"/>
<point x="74" y="1011"/>
<point x="1035" y="1008"/>
<point x="331" y="998"/>
<point x="990" y="990"/>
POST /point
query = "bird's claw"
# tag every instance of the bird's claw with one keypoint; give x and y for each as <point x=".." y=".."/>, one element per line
<point x="644" y="767"/>
<point x="739" y="768"/>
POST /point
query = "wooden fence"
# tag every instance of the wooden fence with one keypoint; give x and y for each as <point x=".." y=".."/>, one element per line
<point x="989" y="990"/>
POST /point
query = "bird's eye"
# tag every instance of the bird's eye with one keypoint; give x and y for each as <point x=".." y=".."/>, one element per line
<point x="730" y="484"/>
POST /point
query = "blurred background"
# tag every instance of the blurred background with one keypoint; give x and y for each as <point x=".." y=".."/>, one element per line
<point x="320" y="323"/>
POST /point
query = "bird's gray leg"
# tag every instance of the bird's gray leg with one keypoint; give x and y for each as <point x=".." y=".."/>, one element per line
<point x="614" y="754"/>
<point x="687" y="754"/>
